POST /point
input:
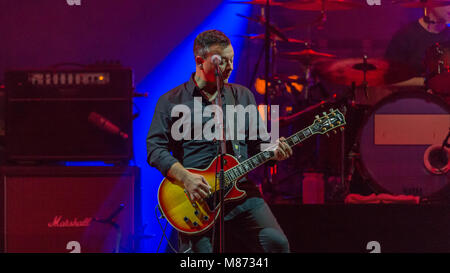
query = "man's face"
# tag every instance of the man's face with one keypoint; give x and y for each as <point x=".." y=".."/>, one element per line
<point x="226" y="66"/>
<point x="442" y="14"/>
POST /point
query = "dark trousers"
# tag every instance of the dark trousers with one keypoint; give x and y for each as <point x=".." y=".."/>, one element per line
<point x="249" y="227"/>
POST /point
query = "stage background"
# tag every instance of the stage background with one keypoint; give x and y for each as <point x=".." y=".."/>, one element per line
<point x="155" y="38"/>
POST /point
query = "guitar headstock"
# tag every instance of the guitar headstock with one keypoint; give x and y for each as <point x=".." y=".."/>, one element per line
<point x="329" y="121"/>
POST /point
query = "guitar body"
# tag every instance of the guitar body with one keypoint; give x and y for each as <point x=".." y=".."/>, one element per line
<point x="195" y="217"/>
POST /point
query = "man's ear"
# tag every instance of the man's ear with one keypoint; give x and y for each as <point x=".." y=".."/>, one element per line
<point x="199" y="61"/>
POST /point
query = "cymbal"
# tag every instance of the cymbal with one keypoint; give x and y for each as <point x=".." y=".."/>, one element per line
<point x="421" y="4"/>
<point x="364" y="67"/>
<point x="256" y="2"/>
<point x="274" y="37"/>
<point x="274" y="30"/>
<point x="306" y="55"/>
<point x="321" y="5"/>
<point x="310" y="5"/>
<point x="346" y="71"/>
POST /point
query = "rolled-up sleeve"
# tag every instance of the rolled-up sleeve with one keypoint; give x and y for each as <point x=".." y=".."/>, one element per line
<point x="158" y="140"/>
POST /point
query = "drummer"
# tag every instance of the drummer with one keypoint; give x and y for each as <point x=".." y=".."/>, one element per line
<point x="407" y="48"/>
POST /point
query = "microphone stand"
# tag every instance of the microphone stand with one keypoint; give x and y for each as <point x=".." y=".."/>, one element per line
<point x="222" y="152"/>
<point x="110" y="221"/>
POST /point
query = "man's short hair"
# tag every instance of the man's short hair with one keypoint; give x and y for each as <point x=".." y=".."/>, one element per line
<point x="208" y="38"/>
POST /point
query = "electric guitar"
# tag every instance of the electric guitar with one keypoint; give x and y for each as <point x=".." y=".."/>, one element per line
<point x="193" y="218"/>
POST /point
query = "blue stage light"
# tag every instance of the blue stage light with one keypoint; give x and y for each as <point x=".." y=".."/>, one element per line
<point x="171" y="72"/>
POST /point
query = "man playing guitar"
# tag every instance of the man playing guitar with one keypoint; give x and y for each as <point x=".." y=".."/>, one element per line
<point x="248" y="221"/>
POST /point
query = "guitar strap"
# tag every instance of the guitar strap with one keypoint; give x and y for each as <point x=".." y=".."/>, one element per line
<point x="230" y="99"/>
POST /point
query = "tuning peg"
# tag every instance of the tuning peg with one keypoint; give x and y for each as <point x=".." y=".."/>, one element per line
<point x="342" y="129"/>
<point x="317" y="117"/>
<point x="334" y="131"/>
<point x="324" y="113"/>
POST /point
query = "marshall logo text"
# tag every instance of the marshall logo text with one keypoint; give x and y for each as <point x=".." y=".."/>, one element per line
<point x="59" y="222"/>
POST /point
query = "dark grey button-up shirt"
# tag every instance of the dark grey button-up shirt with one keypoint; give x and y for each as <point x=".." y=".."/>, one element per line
<point x="163" y="150"/>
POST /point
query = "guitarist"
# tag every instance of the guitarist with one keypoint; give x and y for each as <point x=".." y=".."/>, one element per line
<point x="249" y="220"/>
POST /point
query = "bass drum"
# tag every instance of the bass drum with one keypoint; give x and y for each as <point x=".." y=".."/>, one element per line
<point x="395" y="140"/>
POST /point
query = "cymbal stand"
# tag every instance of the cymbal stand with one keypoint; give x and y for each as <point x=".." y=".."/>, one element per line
<point x="319" y="22"/>
<point x="365" y="83"/>
<point x="267" y="44"/>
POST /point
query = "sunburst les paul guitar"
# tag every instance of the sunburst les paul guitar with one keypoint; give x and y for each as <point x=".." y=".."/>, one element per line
<point x="194" y="217"/>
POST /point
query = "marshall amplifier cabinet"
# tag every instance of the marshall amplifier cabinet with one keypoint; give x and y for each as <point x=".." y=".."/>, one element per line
<point x="69" y="114"/>
<point x="68" y="209"/>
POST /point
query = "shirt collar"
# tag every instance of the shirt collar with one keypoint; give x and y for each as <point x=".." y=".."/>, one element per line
<point x="191" y="86"/>
<point x="193" y="89"/>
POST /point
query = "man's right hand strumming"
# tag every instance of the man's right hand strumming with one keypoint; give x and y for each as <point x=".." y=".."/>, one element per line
<point x="195" y="184"/>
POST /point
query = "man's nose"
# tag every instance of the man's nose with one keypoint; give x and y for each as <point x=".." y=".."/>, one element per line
<point x="229" y="65"/>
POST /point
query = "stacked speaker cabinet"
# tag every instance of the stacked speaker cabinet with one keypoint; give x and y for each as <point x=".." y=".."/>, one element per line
<point x="68" y="209"/>
<point x="69" y="114"/>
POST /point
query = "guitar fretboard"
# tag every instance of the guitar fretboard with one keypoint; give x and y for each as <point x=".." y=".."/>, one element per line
<point x="257" y="160"/>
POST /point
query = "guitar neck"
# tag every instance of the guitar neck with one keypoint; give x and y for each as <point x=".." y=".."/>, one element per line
<point x="257" y="160"/>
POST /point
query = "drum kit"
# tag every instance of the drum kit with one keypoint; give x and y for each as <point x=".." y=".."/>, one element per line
<point x="401" y="140"/>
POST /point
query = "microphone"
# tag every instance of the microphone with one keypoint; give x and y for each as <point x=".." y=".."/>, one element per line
<point x="104" y="124"/>
<point x="216" y="59"/>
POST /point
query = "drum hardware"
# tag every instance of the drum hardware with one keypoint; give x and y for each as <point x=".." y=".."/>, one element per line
<point x="437" y="63"/>
<point x="288" y="120"/>
<point x="364" y="67"/>
<point x="421" y="3"/>
<point x="269" y="51"/>
<point x="274" y="38"/>
<point x="275" y="32"/>
<point x="367" y="74"/>
<point x="346" y="71"/>
<point x="437" y="157"/>
<point x="306" y="58"/>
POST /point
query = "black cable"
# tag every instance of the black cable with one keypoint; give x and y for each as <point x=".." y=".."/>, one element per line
<point x="163" y="231"/>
